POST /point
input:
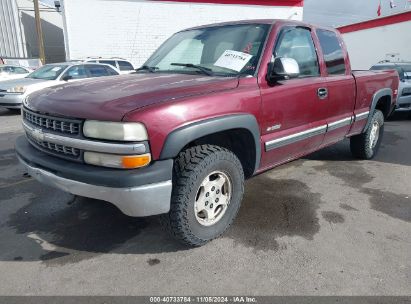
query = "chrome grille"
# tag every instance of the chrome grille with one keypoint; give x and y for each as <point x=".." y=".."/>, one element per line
<point x="60" y="150"/>
<point x="55" y="124"/>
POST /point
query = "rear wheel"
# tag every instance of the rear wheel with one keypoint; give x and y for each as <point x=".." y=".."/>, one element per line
<point x="208" y="186"/>
<point x="366" y="145"/>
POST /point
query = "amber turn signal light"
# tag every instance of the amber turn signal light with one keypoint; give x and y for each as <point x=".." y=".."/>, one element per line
<point x="117" y="161"/>
<point x="136" y="161"/>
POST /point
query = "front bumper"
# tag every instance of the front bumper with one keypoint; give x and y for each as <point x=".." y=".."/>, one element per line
<point x="140" y="192"/>
<point x="11" y="101"/>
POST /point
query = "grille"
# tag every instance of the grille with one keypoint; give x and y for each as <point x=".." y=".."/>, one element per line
<point x="55" y="124"/>
<point x="60" y="150"/>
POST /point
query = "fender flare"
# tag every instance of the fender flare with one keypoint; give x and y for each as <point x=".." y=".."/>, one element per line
<point x="182" y="136"/>
<point x="377" y="96"/>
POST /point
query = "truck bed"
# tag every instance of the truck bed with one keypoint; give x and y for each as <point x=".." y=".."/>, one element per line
<point x="369" y="82"/>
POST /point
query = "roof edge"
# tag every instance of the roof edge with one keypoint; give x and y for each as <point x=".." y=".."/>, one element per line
<point x="287" y="3"/>
<point x="373" y="23"/>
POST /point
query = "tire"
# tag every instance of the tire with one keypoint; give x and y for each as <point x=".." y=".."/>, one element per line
<point x="366" y="145"/>
<point x="195" y="171"/>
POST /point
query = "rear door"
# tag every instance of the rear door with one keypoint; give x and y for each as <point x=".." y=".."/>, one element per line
<point x="293" y="114"/>
<point x="340" y="85"/>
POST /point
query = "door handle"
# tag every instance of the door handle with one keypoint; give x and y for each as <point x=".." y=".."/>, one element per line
<point x="322" y="93"/>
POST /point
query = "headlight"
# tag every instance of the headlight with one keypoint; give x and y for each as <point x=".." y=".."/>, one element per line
<point x="122" y="131"/>
<point x="16" y="89"/>
<point x="117" y="161"/>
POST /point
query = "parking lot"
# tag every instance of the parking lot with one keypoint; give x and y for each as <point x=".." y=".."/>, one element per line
<point x="323" y="225"/>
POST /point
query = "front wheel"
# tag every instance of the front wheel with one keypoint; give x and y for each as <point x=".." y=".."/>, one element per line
<point x="208" y="186"/>
<point x="366" y="145"/>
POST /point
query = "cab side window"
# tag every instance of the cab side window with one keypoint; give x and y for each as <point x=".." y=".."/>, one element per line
<point x="97" y="70"/>
<point x="76" y="72"/>
<point x="297" y="43"/>
<point x="18" y="70"/>
<point x="124" y="66"/>
<point x="333" y="52"/>
<point x="111" y="71"/>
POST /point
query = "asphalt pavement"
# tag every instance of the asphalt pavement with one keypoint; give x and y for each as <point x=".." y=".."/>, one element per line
<point x="327" y="224"/>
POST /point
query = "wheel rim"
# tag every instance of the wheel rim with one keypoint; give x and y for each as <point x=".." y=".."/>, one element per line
<point x="212" y="199"/>
<point x="374" y="134"/>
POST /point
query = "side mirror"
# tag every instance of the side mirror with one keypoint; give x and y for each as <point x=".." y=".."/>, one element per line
<point x="282" y="69"/>
<point x="67" y="78"/>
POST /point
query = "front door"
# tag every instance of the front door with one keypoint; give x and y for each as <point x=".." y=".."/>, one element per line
<point x="294" y="111"/>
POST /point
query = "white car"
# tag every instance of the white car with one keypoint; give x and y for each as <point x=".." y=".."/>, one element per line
<point x="8" y="71"/>
<point x="13" y="92"/>
<point x="124" y="66"/>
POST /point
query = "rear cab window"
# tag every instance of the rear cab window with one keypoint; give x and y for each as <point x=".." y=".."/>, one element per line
<point x="333" y="52"/>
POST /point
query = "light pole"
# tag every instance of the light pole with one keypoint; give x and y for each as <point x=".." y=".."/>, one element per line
<point x="39" y="32"/>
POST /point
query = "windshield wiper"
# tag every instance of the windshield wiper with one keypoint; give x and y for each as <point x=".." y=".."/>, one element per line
<point x="204" y="70"/>
<point x="147" y="68"/>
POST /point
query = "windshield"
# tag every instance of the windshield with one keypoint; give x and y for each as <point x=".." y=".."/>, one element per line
<point x="407" y="71"/>
<point x="221" y="50"/>
<point x="48" y="72"/>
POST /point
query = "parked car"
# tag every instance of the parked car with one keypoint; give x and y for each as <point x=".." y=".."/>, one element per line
<point x="13" y="92"/>
<point x="404" y="89"/>
<point x="214" y="105"/>
<point x="13" y="72"/>
<point x="124" y="66"/>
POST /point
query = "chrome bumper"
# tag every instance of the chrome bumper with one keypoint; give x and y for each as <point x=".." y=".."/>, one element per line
<point x="138" y="201"/>
<point x="11" y="101"/>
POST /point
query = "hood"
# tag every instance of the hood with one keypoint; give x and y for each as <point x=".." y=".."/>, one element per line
<point x="110" y="98"/>
<point x="7" y="84"/>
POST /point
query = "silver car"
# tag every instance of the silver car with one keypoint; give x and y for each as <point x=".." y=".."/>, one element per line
<point x="13" y="92"/>
<point x="8" y="71"/>
<point x="404" y="89"/>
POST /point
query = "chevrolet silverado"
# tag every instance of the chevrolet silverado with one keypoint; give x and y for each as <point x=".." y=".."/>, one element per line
<point x="213" y="106"/>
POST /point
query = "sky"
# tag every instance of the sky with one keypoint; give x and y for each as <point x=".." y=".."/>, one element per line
<point x="341" y="12"/>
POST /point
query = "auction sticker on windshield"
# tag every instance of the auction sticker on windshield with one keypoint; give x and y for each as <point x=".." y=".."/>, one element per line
<point x="233" y="60"/>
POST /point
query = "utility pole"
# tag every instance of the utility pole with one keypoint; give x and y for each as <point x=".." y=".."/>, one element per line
<point x="39" y="32"/>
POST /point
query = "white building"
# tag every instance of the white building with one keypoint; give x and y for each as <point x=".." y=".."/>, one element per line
<point x="386" y="38"/>
<point x="133" y="29"/>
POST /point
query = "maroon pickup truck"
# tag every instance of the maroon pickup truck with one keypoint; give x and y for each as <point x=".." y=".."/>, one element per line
<point x="214" y="105"/>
